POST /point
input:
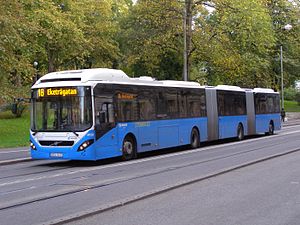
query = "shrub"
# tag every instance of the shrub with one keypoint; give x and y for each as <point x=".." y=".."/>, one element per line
<point x="290" y="94"/>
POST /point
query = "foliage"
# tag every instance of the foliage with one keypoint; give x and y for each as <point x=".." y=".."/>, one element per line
<point x="235" y="42"/>
<point x="285" y="12"/>
<point x="290" y="94"/>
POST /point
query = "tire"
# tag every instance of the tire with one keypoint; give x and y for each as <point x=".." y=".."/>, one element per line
<point x="271" y="128"/>
<point x="195" y="139"/>
<point x="129" y="148"/>
<point x="240" y="132"/>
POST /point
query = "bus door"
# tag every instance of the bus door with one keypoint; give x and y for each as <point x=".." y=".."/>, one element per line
<point x="105" y="120"/>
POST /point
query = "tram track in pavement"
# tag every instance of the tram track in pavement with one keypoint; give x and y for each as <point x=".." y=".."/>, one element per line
<point x="95" y="165"/>
<point x="4" y="162"/>
<point x="153" y="173"/>
<point x="143" y="196"/>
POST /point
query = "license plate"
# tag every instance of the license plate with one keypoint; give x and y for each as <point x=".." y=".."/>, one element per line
<point x="56" y="155"/>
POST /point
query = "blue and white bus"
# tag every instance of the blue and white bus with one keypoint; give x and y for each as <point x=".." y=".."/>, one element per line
<point x="102" y="113"/>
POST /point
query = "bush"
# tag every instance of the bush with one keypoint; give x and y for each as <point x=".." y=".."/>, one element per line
<point x="290" y="94"/>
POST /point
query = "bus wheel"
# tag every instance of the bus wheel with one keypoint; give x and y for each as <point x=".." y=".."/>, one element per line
<point x="128" y="148"/>
<point x="271" y="129"/>
<point x="240" y="133"/>
<point x="195" y="138"/>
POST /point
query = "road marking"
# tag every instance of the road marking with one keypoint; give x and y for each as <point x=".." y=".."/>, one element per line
<point x="7" y="152"/>
<point x="141" y="160"/>
<point x="145" y="195"/>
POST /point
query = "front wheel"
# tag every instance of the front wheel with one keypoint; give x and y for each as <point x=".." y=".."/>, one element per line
<point x="128" y="148"/>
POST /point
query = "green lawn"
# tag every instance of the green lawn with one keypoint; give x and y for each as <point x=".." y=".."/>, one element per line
<point x="14" y="132"/>
<point x="291" y="106"/>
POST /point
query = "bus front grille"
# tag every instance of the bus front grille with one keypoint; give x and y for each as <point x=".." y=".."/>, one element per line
<point x="56" y="143"/>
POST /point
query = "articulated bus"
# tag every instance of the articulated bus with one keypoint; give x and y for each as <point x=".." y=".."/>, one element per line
<point x="101" y="113"/>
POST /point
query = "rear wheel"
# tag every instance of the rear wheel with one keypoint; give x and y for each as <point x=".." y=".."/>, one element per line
<point x="240" y="133"/>
<point x="128" y="148"/>
<point x="195" y="138"/>
<point x="271" y="129"/>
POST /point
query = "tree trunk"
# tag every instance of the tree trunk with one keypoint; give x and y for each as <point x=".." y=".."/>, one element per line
<point x="51" y="61"/>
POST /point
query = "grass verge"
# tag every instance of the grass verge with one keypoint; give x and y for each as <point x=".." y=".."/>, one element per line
<point x="14" y="132"/>
<point x="291" y="106"/>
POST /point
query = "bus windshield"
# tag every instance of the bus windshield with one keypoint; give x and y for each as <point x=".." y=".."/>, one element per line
<point x="61" y="109"/>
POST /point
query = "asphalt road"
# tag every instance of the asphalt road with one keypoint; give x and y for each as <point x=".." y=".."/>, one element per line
<point x="13" y="155"/>
<point x="49" y="192"/>
<point x="261" y="194"/>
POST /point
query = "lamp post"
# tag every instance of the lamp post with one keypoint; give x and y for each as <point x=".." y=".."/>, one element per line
<point x="287" y="28"/>
<point x="185" y="72"/>
<point x="35" y="65"/>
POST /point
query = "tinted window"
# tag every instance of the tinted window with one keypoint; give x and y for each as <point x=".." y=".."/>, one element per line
<point x="231" y="103"/>
<point x="146" y="104"/>
<point x="172" y="103"/>
<point x="127" y="106"/>
<point x="266" y="103"/>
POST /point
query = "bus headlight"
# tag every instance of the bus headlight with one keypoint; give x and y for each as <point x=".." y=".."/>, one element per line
<point x="32" y="146"/>
<point x="84" y="145"/>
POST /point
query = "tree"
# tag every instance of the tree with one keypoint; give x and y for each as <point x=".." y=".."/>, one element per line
<point x="153" y="39"/>
<point x="285" y="12"/>
<point x="235" y="41"/>
<point x="15" y="54"/>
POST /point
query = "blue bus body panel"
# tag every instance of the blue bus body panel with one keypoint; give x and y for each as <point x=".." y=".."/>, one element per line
<point x="150" y="135"/>
<point x="46" y="152"/>
<point x="262" y="122"/>
<point x="228" y="126"/>
<point x="153" y="135"/>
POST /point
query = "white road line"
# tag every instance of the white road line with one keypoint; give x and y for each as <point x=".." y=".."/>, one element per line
<point x="7" y="152"/>
<point x="140" y="160"/>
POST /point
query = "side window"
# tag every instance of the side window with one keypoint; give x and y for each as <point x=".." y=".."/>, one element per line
<point x="161" y="105"/>
<point x="261" y="104"/>
<point x="182" y="101"/>
<point x="104" y="110"/>
<point x="127" y="107"/>
<point x="221" y="104"/>
<point x="270" y="104"/>
<point x="106" y="115"/>
<point x="146" y="105"/>
<point x="193" y="104"/>
<point x="202" y="104"/>
<point x="231" y="103"/>
<point x="239" y="104"/>
<point x="172" y="104"/>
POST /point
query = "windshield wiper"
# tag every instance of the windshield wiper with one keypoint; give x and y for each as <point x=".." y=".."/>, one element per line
<point x="73" y="131"/>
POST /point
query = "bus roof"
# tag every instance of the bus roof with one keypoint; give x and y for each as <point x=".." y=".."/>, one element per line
<point x="98" y="75"/>
<point x="264" y="90"/>
<point x="229" y="88"/>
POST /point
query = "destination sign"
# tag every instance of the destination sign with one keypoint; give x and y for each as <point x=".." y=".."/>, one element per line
<point x="57" y="92"/>
<point x="126" y="96"/>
